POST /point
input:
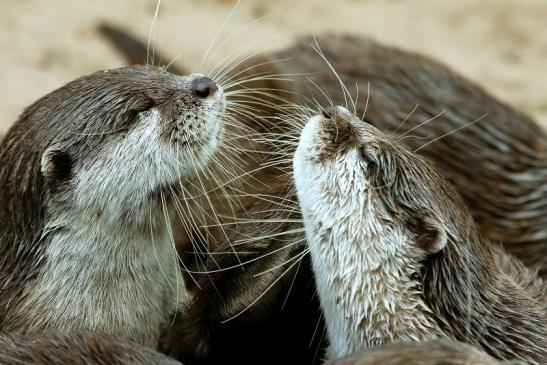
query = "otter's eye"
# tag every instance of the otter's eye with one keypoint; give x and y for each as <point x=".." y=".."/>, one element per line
<point x="139" y="106"/>
<point x="365" y="156"/>
<point x="143" y="105"/>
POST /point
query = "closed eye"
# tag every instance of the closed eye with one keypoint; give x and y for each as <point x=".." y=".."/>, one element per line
<point x="130" y="115"/>
<point x="143" y="105"/>
<point x="365" y="156"/>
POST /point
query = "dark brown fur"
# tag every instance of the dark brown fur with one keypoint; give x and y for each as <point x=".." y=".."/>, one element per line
<point x="280" y="322"/>
<point x="69" y="125"/>
<point x="73" y="113"/>
<point x="498" y="164"/>
<point x="84" y="349"/>
<point x="422" y="353"/>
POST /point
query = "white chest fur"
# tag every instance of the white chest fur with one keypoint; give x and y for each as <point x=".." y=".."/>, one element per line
<point x="363" y="265"/>
<point x="122" y="284"/>
<point x="364" y="283"/>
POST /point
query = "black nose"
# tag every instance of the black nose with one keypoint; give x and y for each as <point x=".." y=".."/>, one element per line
<point x="329" y="112"/>
<point x="204" y="87"/>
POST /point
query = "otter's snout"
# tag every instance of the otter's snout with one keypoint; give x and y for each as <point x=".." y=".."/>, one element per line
<point x="330" y="112"/>
<point x="336" y="125"/>
<point x="204" y="87"/>
<point x="336" y="133"/>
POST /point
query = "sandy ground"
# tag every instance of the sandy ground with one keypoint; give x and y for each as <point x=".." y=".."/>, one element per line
<point x="502" y="44"/>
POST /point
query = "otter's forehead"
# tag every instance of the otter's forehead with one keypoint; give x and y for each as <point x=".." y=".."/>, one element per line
<point x="336" y="149"/>
<point x="335" y="133"/>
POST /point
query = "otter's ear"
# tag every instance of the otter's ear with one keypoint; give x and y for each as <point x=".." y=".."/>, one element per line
<point x="56" y="165"/>
<point x="429" y="233"/>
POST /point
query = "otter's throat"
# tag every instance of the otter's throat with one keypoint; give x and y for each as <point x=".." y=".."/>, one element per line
<point x="366" y="287"/>
<point x="119" y="282"/>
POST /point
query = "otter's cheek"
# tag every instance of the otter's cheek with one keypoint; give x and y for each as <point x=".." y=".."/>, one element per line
<point x="309" y="133"/>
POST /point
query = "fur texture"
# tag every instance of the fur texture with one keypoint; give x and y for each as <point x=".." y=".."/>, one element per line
<point x="441" y="352"/>
<point x="380" y="279"/>
<point x="498" y="164"/>
<point x="86" y="179"/>
<point x="77" y="349"/>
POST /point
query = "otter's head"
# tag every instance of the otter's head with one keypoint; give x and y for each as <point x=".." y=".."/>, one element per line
<point x="107" y="147"/>
<point x="354" y="180"/>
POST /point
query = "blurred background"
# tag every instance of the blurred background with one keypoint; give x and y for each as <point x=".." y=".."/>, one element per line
<point x="502" y="44"/>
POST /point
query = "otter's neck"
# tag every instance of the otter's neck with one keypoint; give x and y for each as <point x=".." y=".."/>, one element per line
<point x="115" y="279"/>
<point x="366" y="286"/>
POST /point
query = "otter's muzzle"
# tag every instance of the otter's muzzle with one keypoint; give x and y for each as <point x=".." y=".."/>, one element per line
<point x="204" y="87"/>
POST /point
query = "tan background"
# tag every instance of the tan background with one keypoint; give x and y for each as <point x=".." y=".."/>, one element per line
<point x="500" y="43"/>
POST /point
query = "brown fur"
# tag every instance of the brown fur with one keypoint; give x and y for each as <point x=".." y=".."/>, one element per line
<point x="23" y="188"/>
<point x="420" y="353"/>
<point x="498" y="164"/>
<point x="475" y="291"/>
<point x="280" y="319"/>
<point x="67" y="132"/>
<point x="83" y="348"/>
<point x="477" y="158"/>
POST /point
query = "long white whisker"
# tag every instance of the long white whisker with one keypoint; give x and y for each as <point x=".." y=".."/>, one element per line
<point x="454" y="131"/>
<point x="265" y="291"/>
<point x="218" y="33"/>
<point x="150" y="34"/>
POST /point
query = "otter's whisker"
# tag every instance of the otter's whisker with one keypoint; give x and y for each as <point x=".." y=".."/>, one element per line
<point x="325" y="94"/>
<point x="243" y="28"/>
<point x="263" y="293"/>
<point x="421" y="124"/>
<point x="366" y="102"/>
<point x="454" y="131"/>
<point x="295" y="257"/>
<point x="151" y="34"/>
<point x="345" y="90"/>
<point x="406" y="118"/>
<point x="242" y="263"/>
<point x="232" y="12"/>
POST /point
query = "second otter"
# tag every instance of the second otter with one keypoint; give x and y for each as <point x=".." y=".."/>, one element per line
<point x="396" y="254"/>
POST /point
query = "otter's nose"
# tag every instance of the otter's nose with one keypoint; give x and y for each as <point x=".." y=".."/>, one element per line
<point x="329" y="112"/>
<point x="204" y="87"/>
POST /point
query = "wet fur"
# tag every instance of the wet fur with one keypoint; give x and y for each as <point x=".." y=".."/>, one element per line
<point x="497" y="165"/>
<point x="216" y="327"/>
<point x="420" y="353"/>
<point x="398" y="81"/>
<point x="382" y="280"/>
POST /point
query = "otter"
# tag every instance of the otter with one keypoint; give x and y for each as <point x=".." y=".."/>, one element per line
<point x="78" y="348"/>
<point x="498" y="165"/>
<point x="87" y="179"/>
<point x="420" y="353"/>
<point x="495" y="155"/>
<point x="396" y="253"/>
